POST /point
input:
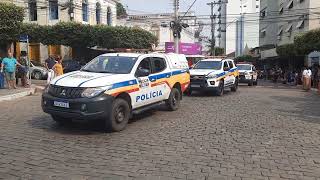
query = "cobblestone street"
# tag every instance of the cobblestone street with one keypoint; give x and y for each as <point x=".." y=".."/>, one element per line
<point x="255" y="133"/>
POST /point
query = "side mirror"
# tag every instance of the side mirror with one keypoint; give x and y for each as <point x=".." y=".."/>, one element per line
<point x="226" y="68"/>
<point x="142" y="72"/>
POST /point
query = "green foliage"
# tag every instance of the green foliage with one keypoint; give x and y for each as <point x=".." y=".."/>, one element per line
<point x="286" y="50"/>
<point x="307" y="42"/>
<point x="246" y="58"/>
<point x="121" y="11"/>
<point x="11" y="17"/>
<point x="79" y="35"/>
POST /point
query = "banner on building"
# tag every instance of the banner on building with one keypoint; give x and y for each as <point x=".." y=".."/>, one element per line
<point x="185" y="48"/>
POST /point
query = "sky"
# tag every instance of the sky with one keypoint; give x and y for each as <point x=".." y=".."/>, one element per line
<point x="162" y="6"/>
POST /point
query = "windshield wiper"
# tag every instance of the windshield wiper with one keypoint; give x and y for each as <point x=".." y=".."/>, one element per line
<point x="86" y="70"/>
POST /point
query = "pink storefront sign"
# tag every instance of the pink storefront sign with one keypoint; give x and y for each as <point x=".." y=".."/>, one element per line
<point x="185" y="48"/>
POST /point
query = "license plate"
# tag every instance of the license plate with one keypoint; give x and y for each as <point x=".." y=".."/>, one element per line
<point x="195" y="85"/>
<point x="61" y="104"/>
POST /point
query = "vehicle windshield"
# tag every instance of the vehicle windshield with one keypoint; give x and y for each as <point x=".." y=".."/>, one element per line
<point x="110" y="64"/>
<point x="244" y="67"/>
<point x="214" y="65"/>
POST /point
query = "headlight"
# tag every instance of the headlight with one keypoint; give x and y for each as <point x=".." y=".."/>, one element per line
<point x="211" y="76"/>
<point x="93" y="92"/>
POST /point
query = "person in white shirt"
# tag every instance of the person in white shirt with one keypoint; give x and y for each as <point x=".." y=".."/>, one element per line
<point x="306" y="75"/>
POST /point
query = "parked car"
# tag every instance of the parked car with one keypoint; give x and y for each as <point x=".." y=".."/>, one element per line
<point x="70" y="65"/>
<point x="38" y="71"/>
<point x="112" y="87"/>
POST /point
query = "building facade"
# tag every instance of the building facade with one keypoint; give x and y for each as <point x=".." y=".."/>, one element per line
<point x="282" y="20"/>
<point x="50" y="12"/>
<point x="242" y="25"/>
<point x="159" y="25"/>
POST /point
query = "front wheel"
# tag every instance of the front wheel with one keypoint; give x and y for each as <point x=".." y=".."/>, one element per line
<point x="234" y="88"/>
<point x="37" y="75"/>
<point x="173" y="103"/>
<point x="119" y="115"/>
<point x="220" y="89"/>
<point x="255" y="82"/>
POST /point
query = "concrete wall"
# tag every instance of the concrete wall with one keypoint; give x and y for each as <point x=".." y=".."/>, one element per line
<point x="268" y="23"/>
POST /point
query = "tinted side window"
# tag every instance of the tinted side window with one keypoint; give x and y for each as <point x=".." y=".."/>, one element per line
<point x="253" y="68"/>
<point x="231" y="64"/>
<point x="158" y="64"/>
<point x="225" y="64"/>
<point x="145" y="64"/>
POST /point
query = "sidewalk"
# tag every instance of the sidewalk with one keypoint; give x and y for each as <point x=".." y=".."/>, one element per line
<point x="8" y="95"/>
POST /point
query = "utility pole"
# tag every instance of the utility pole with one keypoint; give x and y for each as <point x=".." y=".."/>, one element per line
<point x="176" y="28"/>
<point x="212" y="17"/>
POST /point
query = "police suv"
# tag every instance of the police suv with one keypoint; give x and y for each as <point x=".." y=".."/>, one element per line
<point x="214" y="74"/>
<point x="248" y="74"/>
<point x="115" y="86"/>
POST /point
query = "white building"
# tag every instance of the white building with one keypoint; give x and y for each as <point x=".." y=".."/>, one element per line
<point x="159" y="25"/>
<point x="282" y="20"/>
<point x="242" y="25"/>
<point x="50" y="12"/>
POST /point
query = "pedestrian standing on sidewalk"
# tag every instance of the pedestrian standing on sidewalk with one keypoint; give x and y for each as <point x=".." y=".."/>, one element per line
<point x="24" y="69"/>
<point x="306" y="75"/>
<point x="58" y="69"/>
<point x="9" y="65"/>
<point x="49" y="63"/>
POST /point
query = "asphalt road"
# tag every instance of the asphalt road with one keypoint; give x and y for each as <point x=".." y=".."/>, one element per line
<point x="255" y="133"/>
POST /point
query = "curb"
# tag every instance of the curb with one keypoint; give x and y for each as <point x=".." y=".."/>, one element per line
<point x="28" y="92"/>
<point x="11" y="97"/>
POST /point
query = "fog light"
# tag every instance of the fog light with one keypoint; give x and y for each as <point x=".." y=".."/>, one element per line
<point x="83" y="107"/>
<point x="212" y="83"/>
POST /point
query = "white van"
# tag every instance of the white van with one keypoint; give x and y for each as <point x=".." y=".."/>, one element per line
<point x="114" y="86"/>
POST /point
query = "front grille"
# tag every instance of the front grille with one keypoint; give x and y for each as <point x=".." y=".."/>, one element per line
<point x="198" y="80"/>
<point x="65" y="92"/>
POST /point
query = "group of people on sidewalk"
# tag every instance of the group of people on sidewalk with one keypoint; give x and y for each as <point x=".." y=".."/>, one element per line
<point x="11" y="69"/>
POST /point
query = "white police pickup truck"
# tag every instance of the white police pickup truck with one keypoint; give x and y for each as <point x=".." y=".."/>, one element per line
<point x="247" y="74"/>
<point x="114" y="86"/>
<point x="214" y="74"/>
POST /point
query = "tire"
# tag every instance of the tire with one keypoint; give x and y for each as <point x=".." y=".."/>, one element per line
<point x="220" y="89"/>
<point x="37" y="75"/>
<point x="251" y="82"/>
<point x="173" y="103"/>
<point x="255" y="83"/>
<point x="119" y="116"/>
<point x="234" y="88"/>
<point x="61" y="120"/>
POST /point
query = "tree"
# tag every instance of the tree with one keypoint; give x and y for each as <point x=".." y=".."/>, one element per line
<point x="121" y="11"/>
<point x="10" y="22"/>
<point x="86" y="36"/>
<point x="307" y="42"/>
<point x="286" y="50"/>
<point x="246" y="58"/>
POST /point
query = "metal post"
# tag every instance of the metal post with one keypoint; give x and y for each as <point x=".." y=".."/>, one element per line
<point x="28" y="60"/>
<point x="176" y="19"/>
<point x="212" y="17"/>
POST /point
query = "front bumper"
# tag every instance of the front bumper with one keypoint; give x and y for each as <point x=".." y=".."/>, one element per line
<point x="204" y="84"/>
<point x="80" y="108"/>
<point x="245" y="79"/>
